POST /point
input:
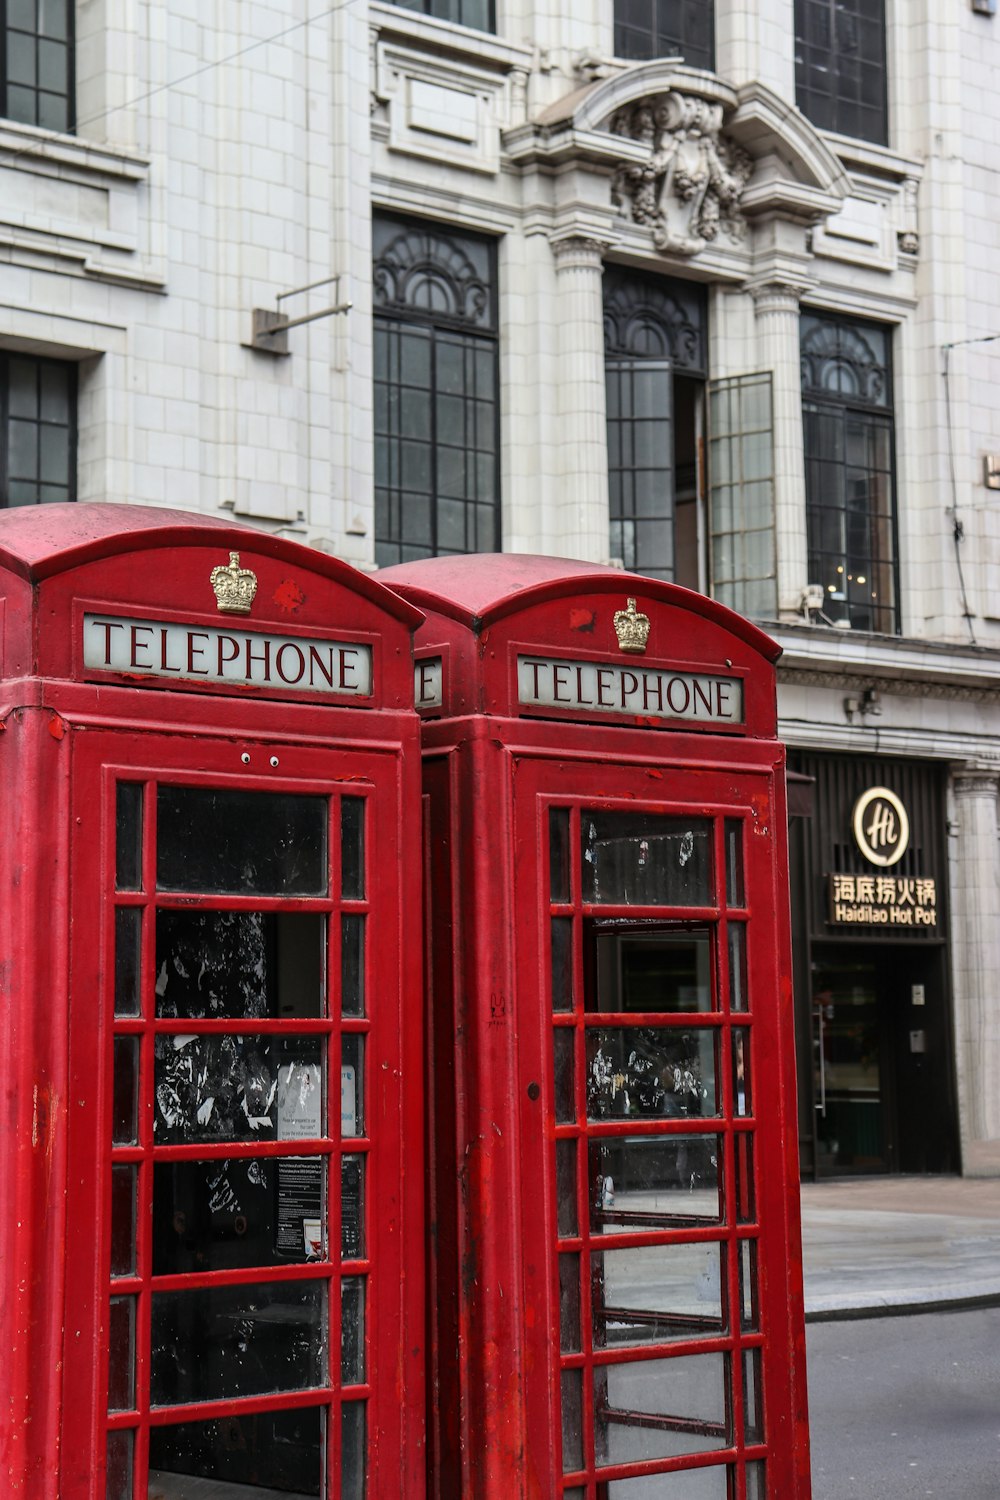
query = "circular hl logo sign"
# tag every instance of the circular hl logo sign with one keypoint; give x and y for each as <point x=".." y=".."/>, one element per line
<point x="881" y="827"/>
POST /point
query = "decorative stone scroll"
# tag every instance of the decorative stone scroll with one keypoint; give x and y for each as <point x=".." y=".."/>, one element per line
<point x="689" y="190"/>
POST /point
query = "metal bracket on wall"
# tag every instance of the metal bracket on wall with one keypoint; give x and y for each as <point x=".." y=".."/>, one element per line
<point x="270" y="328"/>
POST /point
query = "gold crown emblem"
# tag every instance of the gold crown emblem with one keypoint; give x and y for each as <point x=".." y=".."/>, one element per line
<point x="234" y="586"/>
<point x="631" y="628"/>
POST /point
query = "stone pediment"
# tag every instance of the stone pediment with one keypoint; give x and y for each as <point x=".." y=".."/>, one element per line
<point x="690" y="159"/>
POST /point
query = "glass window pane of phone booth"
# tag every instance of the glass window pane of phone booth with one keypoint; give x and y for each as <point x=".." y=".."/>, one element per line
<point x="652" y="1084"/>
<point x="240" y="928"/>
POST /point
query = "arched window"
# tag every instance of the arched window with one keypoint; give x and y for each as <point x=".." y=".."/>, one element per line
<point x="436" y="400"/>
<point x="850" y="468"/>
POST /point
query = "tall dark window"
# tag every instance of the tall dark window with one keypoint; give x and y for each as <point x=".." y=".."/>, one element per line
<point x="436" y="408"/>
<point x="37" y="67"/>
<point x="666" y="28"/>
<point x="479" y="14"/>
<point x="850" y="479"/>
<point x="840" y="66"/>
<point x="655" y="362"/>
<point x="37" y="430"/>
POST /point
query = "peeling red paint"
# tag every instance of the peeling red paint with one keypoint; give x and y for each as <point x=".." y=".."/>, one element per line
<point x="288" y="596"/>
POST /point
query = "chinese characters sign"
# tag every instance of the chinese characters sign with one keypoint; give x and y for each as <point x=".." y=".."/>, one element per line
<point x="883" y="901"/>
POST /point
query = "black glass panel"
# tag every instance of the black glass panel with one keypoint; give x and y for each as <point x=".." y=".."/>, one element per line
<point x="352" y="1207"/>
<point x="121" y="1354"/>
<point x="559" y="888"/>
<point x="435" y="387"/>
<point x="352" y="964"/>
<point x="562" y="963"/>
<point x="646" y="29"/>
<point x="646" y="1072"/>
<point x="353" y="1451"/>
<point x="125" y="1091"/>
<point x="475" y="13"/>
<point x="37" y="396"/>
<point x="352" y="1077"/>
<point x="685" y="1403"/>
<point x="238" y="1088"/>
<point x="241" y="843"/>
<point x="657" y="1294"/>
<point x="564" y="1052"/>
<point x="649" y="969"/>
<point x="352" y="848"/>
<point x="246" y="965"/>
<point x="259" y="1453"/>
<point x="566" y="1214"/>
<point x="640" y="859"/>
<point x="123" y="1182"/>
<point x="352" y="1330"/>
<point x="645" y="1182"/>
<point x="128" y="836"/>
<point x="840" y="66"/>
<point x="216" y="1343"/>
<point x="128" y="940"/>
<point x="238" y="1212"/>
<point x="119" y="1478"/>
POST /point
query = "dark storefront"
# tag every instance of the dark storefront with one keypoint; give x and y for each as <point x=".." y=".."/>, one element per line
<point x="870" y="937"/>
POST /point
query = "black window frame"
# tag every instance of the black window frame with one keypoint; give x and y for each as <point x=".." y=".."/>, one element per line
<point x="455" y="11"/>
<point x="70" y="369"/>
<point x="655" y="327"/>
<point x="837" y="350"/>
<point x="8" y="31"/>
<point x="410" y="249"/>
<point x="840" y="57"/>
<point x="670" y="31"/>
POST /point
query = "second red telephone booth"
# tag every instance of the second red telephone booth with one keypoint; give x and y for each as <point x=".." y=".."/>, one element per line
<point x="612" y="1106"/>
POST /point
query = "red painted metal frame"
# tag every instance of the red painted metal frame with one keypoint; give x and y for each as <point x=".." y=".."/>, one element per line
<point x="64" y="741"/>
<point x="491" y="771"/>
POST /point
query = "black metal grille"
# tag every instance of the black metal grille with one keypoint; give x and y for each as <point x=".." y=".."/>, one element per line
<point x="840" y="66"/>
<point x="436" y="393"/>
<point x="38" y="62"/>
<point x="37" y="431"/>
<point x="850" y="469"/>
<point x="666" y="28"/>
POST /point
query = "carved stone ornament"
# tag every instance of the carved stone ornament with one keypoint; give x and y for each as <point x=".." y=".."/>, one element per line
<point x="689" y="190"/>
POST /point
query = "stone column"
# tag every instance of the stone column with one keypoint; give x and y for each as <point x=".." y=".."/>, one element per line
<point x="975" y="937"/>
<point x="580" y="443"/>
<point x="776" y="307"/>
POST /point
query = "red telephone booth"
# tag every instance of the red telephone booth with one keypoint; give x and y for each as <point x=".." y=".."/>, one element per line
<point x="612" y="1086"/>
<point x="213" y="1277"/>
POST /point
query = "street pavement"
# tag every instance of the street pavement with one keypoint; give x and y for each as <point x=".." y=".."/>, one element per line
<point x="906" y="1408"/>
<point x="874" y="1246"/>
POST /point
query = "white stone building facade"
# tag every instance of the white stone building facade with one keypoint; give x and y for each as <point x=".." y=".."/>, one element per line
<point x="705" y="288"/>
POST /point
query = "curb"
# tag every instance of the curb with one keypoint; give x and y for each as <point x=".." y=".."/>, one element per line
<point x="902" y="1308"/>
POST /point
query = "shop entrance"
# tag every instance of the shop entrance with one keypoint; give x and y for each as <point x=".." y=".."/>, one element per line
<point x="881" y="1073"/>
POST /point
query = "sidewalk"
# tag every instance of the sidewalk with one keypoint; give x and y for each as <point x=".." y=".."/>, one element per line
<point x="877" y="1245"/>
